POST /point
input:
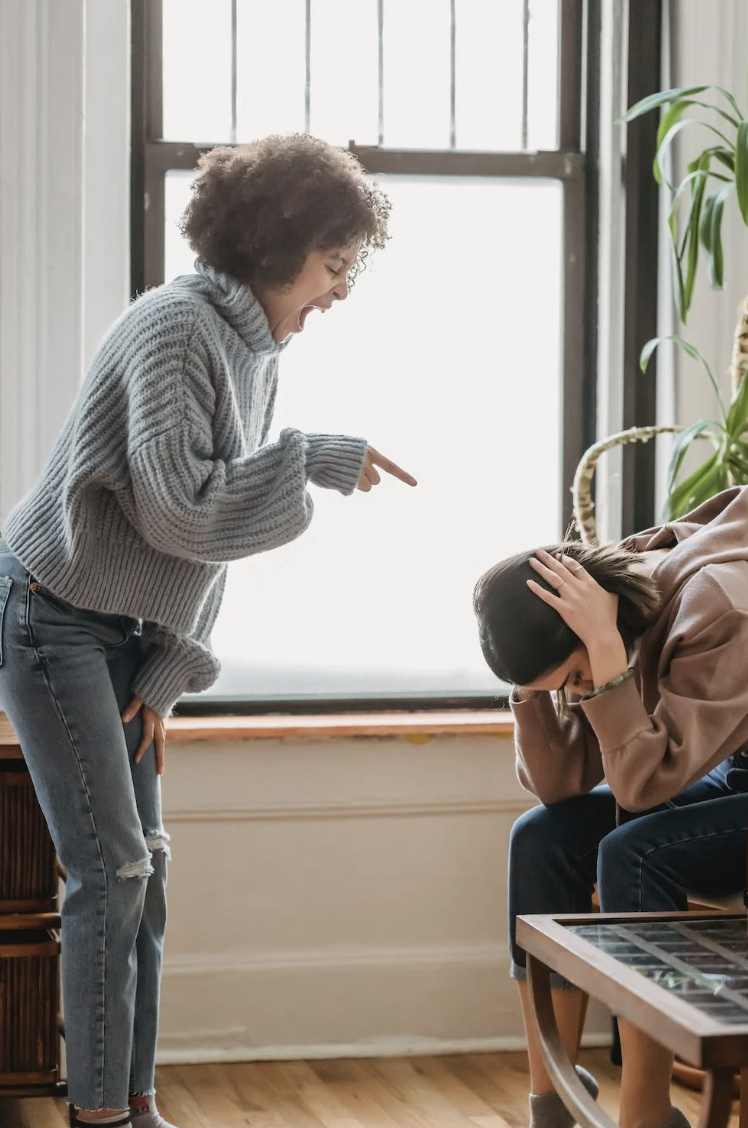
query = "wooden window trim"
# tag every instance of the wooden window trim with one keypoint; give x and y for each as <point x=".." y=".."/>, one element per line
<point x="415" y="727"/>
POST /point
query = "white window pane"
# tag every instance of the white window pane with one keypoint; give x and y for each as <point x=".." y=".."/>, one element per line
<point x="345" y="71"/>
<point x="197" y="70"/>
<point x="416" y="74"/>
<point x="344" y="78"/>
<point x="178" y="258"/>
<point x="488" y="72"/>
<point x="447" y="358"/>
<point x="542" y="93"/>
<point x="271" y="67"/>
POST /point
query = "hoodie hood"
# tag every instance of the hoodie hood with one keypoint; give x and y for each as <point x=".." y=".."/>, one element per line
<point x="715" y="533"/>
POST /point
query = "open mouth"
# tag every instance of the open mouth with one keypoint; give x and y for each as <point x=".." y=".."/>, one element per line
<point x="306" y="310"/>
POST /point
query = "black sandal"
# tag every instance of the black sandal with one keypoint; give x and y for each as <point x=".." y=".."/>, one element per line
<point x="123" y="1122"/>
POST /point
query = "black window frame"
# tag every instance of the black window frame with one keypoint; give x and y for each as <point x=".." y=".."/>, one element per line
<point x="574" y="164"/>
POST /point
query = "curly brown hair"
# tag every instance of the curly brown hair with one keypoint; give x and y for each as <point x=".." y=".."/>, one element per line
<point x="258" y="210"/>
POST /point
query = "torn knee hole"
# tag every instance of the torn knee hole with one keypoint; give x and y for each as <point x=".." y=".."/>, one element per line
<point x="143" y="868"/>
<point x="158" y="841"/>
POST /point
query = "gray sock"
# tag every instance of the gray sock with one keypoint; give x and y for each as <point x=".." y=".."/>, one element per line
<point x="548" y="1110"/>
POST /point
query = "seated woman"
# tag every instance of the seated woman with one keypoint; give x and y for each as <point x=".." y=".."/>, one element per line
<point x="645" y="645"/>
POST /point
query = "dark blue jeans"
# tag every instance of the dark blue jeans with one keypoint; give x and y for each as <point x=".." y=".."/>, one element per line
<point x="647" y="864"/>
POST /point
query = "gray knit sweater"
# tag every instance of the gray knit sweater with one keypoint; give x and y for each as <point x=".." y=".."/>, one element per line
<point x="160" y="475"/>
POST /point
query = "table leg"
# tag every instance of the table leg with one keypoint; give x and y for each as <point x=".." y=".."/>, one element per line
<point x="568" y="1086"/>
<point x="717" y="1102"/>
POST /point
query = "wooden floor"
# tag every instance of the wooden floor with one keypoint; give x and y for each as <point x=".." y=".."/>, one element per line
<point x="471" y="1091"/>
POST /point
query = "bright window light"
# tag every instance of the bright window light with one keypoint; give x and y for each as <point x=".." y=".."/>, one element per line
<point x="446" y="356"/>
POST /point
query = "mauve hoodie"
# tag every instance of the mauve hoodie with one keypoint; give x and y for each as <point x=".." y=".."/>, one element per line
<point x="686" y="708"/>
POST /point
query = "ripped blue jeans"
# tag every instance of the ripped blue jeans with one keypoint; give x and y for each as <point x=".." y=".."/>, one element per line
<point x="65" y="677"/>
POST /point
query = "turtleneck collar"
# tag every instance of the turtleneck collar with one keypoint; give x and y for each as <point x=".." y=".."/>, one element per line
<point x="237" y="305"/>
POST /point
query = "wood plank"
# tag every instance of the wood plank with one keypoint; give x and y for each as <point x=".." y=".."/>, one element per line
<point x="413" y="726"/>
<point x="347" y="1094"/>
<point x="7" y="735"/>
<point x="397" y="1078"/>
<point x="460" y="1095"/>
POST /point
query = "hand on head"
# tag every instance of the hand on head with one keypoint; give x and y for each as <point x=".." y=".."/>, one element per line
<point x="586" y="607"/>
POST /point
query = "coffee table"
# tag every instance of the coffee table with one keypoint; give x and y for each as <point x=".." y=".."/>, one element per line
<point x="681" y="977"/>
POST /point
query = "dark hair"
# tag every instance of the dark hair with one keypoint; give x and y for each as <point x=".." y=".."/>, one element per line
<point x="523" y="638"/>
<point x="257" y="210"/>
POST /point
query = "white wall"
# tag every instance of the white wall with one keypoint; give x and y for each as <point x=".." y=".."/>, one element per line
<point x="711" y="45"/>
<point x="64" y="109"/>
<point x="340" y="897"/>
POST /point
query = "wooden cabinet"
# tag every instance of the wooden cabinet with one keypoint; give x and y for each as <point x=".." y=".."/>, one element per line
<point x="29" y="935"/>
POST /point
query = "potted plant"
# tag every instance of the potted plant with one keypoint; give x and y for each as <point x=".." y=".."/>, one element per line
<point x="717" y="173"/>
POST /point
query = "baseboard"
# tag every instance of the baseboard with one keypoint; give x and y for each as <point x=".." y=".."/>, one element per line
<point x="206" y="965"/>
<point x="387" y="1048"/>
<point x="356" y="1001"/>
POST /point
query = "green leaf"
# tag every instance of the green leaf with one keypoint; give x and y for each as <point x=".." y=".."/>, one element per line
<point x="713" y="243"/>
<point x="728" y="96"/>
<point x="705" y="231"/>
<point x="678" y="499"/>
<point x="708" y="480"/>
<point x="689" y="350"/>
<point x="672" y="115"/>
<point x="670" y="136"/>
<point x="692" y="226"/>
<point x="672" y="220"/>
<point x="652" y="101"/>
<point x="737" y="417"/>
<point x="738" y="468"/>
<point x="664" y="144"/>
<point x="671" y="124"/>
<point x="726" y="157"/>
<point x="678" y="275"/>
<point x="741" y="169"/>
<point x="680" y="447"/>
<point x="734" y="121"/>
<point x="662" y="97"/>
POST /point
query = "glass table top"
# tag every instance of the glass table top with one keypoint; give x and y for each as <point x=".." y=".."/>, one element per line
<point x="704" y="962"/>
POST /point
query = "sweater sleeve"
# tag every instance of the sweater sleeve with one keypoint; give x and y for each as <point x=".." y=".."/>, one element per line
<point x="175" y="664"/>
<point x="195" y="493"/>
<point x="187" y="502"/>
<point x="649" y="758"/>
<point x="557" y="757"/>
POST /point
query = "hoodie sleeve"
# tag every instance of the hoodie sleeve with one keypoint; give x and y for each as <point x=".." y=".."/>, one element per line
<point x="701" y="713"/>
<point x="557" y="757"/>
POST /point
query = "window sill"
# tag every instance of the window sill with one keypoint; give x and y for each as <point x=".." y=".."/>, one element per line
<point x="415" y="727"/>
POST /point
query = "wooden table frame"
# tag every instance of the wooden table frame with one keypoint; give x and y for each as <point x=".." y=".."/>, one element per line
<point x="675" y="1024"/>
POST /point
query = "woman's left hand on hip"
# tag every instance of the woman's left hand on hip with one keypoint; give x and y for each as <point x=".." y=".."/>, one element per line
<point x="154" y="731"/>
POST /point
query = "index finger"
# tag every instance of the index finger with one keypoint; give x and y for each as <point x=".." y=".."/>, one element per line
<point x="392" y="468"/>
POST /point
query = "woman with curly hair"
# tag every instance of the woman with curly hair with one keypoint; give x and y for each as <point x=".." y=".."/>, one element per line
<point x="645" y="645"/>
<point x="112" y="568"/>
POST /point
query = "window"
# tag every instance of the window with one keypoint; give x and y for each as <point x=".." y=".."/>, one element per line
<point x="464" y="351"/>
